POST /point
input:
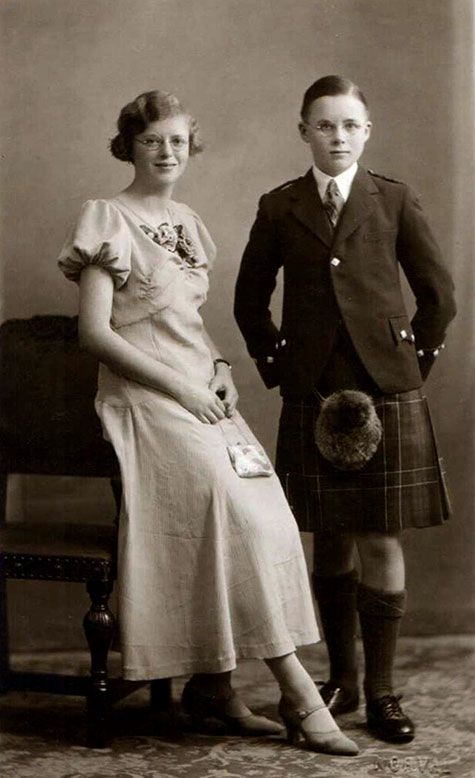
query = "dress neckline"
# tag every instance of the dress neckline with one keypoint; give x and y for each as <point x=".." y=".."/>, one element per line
<point x="168" y="221"/>
<point x="167" y="235"/>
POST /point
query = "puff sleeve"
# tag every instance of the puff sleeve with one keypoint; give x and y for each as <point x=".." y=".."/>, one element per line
<point x="100" y="237"/>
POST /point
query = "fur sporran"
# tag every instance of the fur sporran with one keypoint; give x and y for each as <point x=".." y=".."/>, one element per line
<point x="348" y="430"/>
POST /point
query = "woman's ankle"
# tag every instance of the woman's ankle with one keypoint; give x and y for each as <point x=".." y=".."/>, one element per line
<point x="218" y="686"/>
<point x="301" y="692"/>
<point x="213" y="684"/>
<point x="303" y="698"/>
<point x="295" y="683"/>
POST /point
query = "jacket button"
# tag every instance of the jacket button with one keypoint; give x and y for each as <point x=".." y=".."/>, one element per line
<point x="335" y="262"/>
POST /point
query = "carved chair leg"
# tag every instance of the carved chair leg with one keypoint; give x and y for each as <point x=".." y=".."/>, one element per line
<point x="161" y="694"/>
<point x="4" y="648"/>
<point x="99" y="626"/>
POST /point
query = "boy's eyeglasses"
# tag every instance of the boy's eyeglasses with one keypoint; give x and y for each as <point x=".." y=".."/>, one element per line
<point x="177" y="142"/>
<point x="329" y="128"/>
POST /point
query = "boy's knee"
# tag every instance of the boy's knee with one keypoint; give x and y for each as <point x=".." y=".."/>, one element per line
<point x="378" y="548"/>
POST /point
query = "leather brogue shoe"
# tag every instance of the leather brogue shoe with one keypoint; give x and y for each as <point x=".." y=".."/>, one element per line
<point x="337" y="699"/>
<point x="388" y="722"/>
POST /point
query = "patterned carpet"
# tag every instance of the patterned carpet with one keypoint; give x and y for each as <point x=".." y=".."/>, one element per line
<point x="43" y="735"/>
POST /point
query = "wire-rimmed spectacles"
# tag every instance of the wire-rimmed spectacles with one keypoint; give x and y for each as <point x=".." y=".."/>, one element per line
<point x="327" y="128"/>
<point x="153" y="143"/>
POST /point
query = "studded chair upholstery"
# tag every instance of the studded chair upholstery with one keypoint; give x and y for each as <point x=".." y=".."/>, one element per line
<point x="48" y="426"/>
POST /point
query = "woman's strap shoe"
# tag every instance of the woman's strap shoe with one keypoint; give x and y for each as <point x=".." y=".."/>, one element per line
<point x="324" y="741"/>
<point x="210" y="713"/>
<point x="387" y="720"/>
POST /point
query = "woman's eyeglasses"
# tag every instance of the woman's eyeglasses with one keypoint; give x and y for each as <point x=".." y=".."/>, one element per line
<point x="153" y="143"/>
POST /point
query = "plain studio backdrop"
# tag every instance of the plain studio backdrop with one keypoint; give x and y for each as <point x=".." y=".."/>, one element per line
<point x="241" y="67"/>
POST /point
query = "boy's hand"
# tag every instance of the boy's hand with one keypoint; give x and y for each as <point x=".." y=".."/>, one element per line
<point x="426" y="360"/>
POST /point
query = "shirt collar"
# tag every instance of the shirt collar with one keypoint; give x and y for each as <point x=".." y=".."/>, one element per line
<point x="344" y="180"/>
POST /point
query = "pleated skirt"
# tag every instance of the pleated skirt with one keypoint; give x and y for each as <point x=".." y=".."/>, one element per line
<point x="402" y="486"/>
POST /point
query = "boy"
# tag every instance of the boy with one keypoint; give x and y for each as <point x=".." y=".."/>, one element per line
<point x="340" y="233"/>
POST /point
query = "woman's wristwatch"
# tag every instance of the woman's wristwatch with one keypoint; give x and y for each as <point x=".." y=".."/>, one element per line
<point x="224" y="361"/>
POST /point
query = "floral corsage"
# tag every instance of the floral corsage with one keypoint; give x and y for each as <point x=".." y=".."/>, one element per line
<point x="174" y="240"/>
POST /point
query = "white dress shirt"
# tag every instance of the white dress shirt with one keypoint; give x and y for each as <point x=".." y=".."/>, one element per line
<point x="343" y="181"/>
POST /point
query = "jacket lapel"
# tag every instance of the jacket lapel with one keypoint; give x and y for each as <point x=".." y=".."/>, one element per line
<point x="307" y="207"/>
<point x="358" y="207"/>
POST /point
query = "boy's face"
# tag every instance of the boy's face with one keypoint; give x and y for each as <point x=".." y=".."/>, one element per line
<point x="336" y="129"/>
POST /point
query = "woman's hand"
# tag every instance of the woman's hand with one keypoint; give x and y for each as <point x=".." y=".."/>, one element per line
<point x="223" y="385"/>
<point x="203" y="403"/>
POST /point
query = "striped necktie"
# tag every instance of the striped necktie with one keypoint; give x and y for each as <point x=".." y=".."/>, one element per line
<point x="333" y="202"/>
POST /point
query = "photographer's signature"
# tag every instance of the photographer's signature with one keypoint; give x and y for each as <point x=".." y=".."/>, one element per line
<point x="413" y="766"/>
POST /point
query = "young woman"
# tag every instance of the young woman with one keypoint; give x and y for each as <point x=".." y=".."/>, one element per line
<point x="211" y="568"/>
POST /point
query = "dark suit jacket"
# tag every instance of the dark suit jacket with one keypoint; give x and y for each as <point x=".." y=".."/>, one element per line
<point x="350" y="276"/>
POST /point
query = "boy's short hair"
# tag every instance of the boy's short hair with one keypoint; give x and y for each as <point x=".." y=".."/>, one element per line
<point x="149" y="107"/>
<point x="330" y="86"/>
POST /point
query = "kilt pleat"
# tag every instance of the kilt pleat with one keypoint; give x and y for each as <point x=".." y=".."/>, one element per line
<point x="402" y="486"/>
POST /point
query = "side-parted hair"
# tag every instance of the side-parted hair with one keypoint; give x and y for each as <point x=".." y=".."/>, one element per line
<point x="137" y="115"/>
<point x="330" y="86"/>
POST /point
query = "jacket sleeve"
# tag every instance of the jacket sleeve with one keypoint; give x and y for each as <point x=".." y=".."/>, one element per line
<point x="255" y="284"/>
<point x="428" y="277"/>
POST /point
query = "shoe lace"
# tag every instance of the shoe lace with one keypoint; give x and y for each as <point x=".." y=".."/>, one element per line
<point x="389" y="705"/>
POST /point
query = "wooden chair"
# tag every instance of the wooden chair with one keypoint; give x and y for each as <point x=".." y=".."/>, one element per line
<point x="48" y="426"/>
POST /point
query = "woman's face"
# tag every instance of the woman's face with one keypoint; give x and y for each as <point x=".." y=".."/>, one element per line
<point x="161" y="151"/>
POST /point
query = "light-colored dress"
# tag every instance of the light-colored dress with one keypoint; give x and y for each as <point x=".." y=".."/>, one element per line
<point x="211" y="567"/>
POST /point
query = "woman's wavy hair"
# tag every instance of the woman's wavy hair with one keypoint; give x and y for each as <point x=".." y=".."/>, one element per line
<point x="137" y="115"/>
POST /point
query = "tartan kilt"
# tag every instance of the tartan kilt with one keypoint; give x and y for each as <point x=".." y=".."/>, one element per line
<point x="403" y="485"/>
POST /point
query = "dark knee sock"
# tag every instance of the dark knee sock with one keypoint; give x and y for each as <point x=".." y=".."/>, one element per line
<point x="380" y="618"/>
<point x="336" y="598"/>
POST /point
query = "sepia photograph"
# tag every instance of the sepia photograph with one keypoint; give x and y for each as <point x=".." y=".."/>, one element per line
<point x="237" y="407"/>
